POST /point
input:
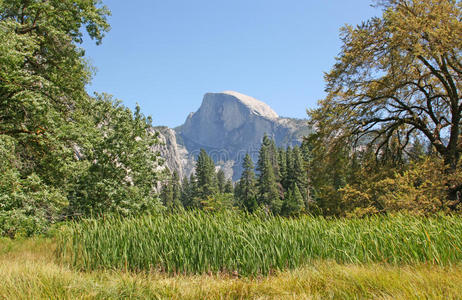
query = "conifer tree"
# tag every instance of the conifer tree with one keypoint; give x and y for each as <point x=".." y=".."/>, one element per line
<point x="229" y="187"/>
<point x="268" y="190"/>
<point x="194" y="194"/>
<point x="166" y="193"/>
<point x="237" y="194"/>
<point x="176" y="190"/>
<point x="206" y="177"/>
<point x="273" y="154"/>
<point x="186" y="193"/>
<point x="287" y="180"/>
<point x="221" y="181"/>
<point x="282" y="162"/>
<point x="293" y="202"/>
<point x="263" y="152"/>
<point x="299" y="176"/>
<point x="247" y="185"/>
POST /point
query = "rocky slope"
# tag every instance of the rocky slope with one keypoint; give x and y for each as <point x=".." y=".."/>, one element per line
<point x="227" y="125"/>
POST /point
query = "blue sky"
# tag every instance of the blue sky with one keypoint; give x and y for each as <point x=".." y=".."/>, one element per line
<point x="166" y="55"/>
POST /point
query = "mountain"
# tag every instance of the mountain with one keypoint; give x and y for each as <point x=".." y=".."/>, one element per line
<point x="227" y="125"/>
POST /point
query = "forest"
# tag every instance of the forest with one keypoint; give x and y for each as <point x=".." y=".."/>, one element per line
<point x="379" y="180"/>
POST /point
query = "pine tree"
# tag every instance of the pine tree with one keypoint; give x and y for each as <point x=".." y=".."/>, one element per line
<point x="247" y="184"/>
<point x="229" y="187"/>
<point x="263" y="153"/>
<point x="293" y="202"/>
<point x="288" y="179"/>
<point x="237" y="194"/>
<point x="268" y="190"/>
<point x="221" y="181"/>
<point x="273" y="154"/>
<point x="176" y="190"/>
<point x="166" y="194"/>
<point x="299" y="175"/>
<point x="282" y="162"/>
<point x="206" y="177"/>
<point x="194" y="195"/>
<point x="186" y="193"/>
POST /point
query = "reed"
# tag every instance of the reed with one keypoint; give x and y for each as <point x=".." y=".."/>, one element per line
<point x="197" y="242"/>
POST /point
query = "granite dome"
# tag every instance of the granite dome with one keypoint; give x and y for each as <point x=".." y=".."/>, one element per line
<point x="228" y="125"/>
<point x="256" y="106"/>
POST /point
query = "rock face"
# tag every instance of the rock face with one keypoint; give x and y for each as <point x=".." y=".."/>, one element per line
<point x="175" y="155"/>
<point x="227" y="125"/>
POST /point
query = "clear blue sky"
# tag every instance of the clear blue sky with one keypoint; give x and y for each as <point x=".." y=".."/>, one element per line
<point x="166" y="54"/>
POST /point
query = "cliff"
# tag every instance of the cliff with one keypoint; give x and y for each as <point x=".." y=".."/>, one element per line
<point x="227" y="125"/>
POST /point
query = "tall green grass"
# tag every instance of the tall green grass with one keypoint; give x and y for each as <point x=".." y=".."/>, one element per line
<point x="197" y="242"/>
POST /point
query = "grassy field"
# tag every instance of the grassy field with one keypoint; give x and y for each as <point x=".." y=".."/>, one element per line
<point x="28" y="270"/>
<point x="231" y="243"/>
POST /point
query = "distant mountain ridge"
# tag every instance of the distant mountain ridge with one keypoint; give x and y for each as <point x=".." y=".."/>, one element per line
<point x="227" y="125"/>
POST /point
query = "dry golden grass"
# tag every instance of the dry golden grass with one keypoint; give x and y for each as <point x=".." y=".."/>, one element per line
<point x="28" y="271"/>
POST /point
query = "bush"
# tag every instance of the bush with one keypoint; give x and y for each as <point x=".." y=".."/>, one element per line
<point x="420" y="189"/>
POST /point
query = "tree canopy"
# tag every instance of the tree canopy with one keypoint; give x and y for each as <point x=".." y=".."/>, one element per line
<point x="64" y="153"/>
<point x="398" y="78"/>
<point x="399" y="74"/>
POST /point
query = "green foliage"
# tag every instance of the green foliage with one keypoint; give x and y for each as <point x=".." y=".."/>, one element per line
<point x="229" y="188"/>
<point x="119" y="174"/>
<point x="42" y="102"/>
<point x="398" y="77"/>
<point x="246" y="193"/>
<point x="205" y="175"/>
<point x="420" y="189"/>
<point x="218" y="202"/>
<point x="221" y="181"/>
<point x="67" y="153"/>
<point x="269" y="191"/>
<point x="171" y="192"/>
<point x="327" y="168"/>
<point x="293" y="202"/>
<point x="198" y="242"/>
<point x="27" y="205"/>
<point x="187" y="190"/>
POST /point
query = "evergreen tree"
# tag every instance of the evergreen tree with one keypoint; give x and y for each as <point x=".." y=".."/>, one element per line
<point x="229" y="187"/>
<point x="186" y="193"/>
<point x="237" y="194"/>
<point x="176" y="190"/>
<point x="299" y="175"/>
<point x="194" y="198"/>
<point x="288" y="179"/>
<point x="282" y="162"/>
<point x="206" y="177"/>
<point x="268" y="190"/>
<point x="247" y="186"/>
<point x="221" y="181"/>
<point x="274" y="157"/>
<point x="263" y="152"/>
<point x="166" y="195"/>
<point x="293" y="202"/>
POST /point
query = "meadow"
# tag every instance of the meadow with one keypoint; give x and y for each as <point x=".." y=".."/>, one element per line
<point x="28" y="270"/>
<point x="195" y="243"/>
<point x="196" y="255"/>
